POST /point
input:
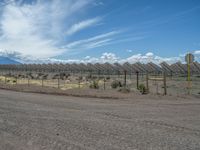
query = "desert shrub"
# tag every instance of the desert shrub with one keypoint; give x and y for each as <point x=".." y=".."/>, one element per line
<point x="40" y="74"/>
<point x="167" y="86"/>
<point x="19" y="76"/>
<point x="115" y="84"/>
<point x="88" y="77"/>
<point x="107" y="78"/>
<point x="45" y="77"/>
<point x="14" y="81"/>
<point x="142" y="89"/>
<point x="68" y="75"/>
<point x="56" y="76"/>
<point x="94" y="77"/>
<point x="80" y="78"/>
<point x="29" y="75"/>
<point x="101" y="77"/>
<point x="183" y="75"/>
<point x="94" y="84"/>
<point x="64" y="76"/>
<point x="124" y="90"/>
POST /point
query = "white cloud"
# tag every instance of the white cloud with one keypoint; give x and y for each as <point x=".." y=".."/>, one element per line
<point x="197" y="52"/>
<point x="105" y="57"/>
<point x="129" y="50"/>
<point x="92" y="42"/>
<point x="98" y="3"/>
<point x="109" y="57"/>
<point x="82" y="25"/>
<point x="149" y="54"/>
<point x="150" y="57"/>
<point x="113" y="58"/>
<point x="37" y="28"/>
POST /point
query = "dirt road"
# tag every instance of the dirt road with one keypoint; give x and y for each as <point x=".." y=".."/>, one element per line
<point x="47" y="122"/>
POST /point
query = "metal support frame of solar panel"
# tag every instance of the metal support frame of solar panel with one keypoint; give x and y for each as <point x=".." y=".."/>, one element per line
<point x="101" y="68"/>
<point x="106" y="68"/>
<point x="177" y="69"/>
<point x="183" y="67"/>
<point x="119" y="67"/>
<point x="110" y="69"/>
<point x="83" y="67"/>
<point x="153" y="68"/>
<point x="193" y="69"/>
<point x="128" y="67"/>
<point x="166" y="68"/>
<point x="197" y="66"/>
<point x="140" y="67"/>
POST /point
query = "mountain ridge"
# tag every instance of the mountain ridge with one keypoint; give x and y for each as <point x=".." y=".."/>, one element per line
<point x="7" y="60"/>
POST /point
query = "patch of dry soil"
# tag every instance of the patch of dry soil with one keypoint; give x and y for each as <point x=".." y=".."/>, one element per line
<point x="46" y="122"/>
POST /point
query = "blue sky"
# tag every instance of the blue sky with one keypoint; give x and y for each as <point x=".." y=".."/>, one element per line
<point x="97" y="29"/>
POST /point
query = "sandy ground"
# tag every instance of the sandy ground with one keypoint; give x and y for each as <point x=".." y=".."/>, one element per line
<point x="46" y="122"/>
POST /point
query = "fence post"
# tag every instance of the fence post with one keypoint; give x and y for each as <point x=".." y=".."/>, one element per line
<point x="28" y="81"/>
<point x="79" y="82"/>
<point x="165" y="84"/>
<point x="137" y="75"/>
<point x="58" y="83"/>
<point x="42" y="82"/>
<point x="104" y="83"/>
<point x="125" y="73"/>
<point x="171" y="74"/>
<point x="147" y="82"/>
<point x="5" y="79"/>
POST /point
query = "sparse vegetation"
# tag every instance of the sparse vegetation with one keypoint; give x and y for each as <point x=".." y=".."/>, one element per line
<point x="107" y="78"/>
<point x="124" y="90"/>
<point x="116" y="84"/>
<point x="142" y="89"/>
<point x="94" y="84"/>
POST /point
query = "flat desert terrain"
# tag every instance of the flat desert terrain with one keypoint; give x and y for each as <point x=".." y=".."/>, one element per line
<point x="31" y="121"/>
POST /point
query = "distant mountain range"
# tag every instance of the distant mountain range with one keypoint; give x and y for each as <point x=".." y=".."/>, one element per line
<point x="6" y="60"/>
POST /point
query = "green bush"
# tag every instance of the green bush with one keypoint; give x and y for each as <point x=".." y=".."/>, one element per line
<point x="115" y="84"/>
<point x="142" y="89"/>
<point x="94" y="84"/>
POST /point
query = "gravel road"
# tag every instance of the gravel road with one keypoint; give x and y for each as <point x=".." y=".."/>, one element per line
<point x="46" y="122"/>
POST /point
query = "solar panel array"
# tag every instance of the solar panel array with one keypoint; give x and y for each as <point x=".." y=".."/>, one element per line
<point x="106" y="68"/>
